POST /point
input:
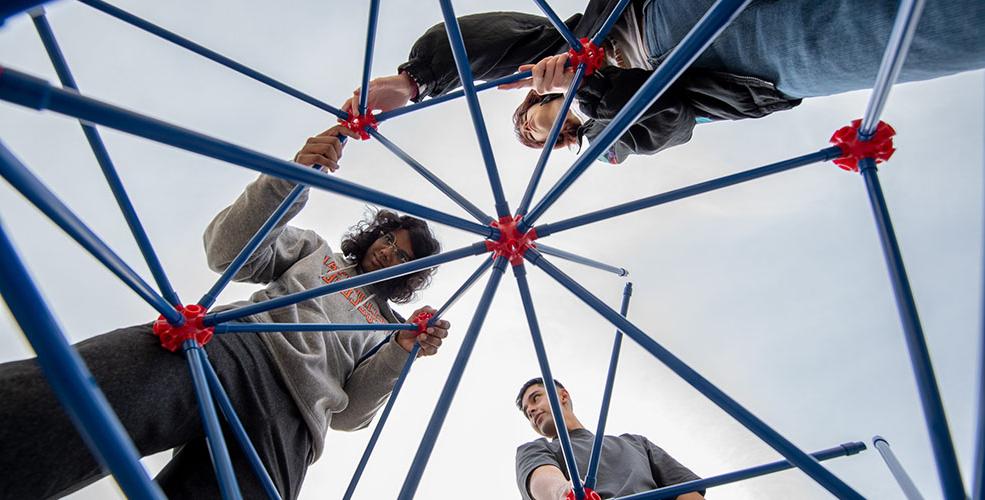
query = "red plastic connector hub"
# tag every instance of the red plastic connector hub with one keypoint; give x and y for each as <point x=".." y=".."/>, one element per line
<point x="173" y="337"/>
<point x="421" y="320"/>
<point x="511" y="244"/>
<point x="589" y="495"/>
<point x="592" y="55"/>
<point x="359" y="124"/>
<point x="879" y="147"/>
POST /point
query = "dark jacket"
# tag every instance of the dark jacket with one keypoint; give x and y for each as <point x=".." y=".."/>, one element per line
<point x="498" y="42"/>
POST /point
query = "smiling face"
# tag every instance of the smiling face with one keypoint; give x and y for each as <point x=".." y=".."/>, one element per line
<point x="539" y="118"/>
<point x="536" y="407"/>
<point x="388" y="250"/>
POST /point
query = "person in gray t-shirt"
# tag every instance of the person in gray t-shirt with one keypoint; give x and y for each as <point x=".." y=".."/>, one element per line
<point x="629" y="464"/>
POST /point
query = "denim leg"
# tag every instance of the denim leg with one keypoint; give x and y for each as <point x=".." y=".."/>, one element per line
<point x="813" y="48"/>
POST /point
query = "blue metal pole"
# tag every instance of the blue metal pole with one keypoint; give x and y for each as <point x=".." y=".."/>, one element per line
<point x="700" y="37"/>
<point x="560" y="425"/>
<point x="468" y="85"/>
<point x="907" y="16"/>
<point x="374" y="14"/>
<point x="740" y="475"/>
<point x="686" y="192"/>
<point x="417" y="467"/>
<point x="182" y="42"/>
<point x="36" y="93"/>
<point x="210" y="296"/>
<point x="978" y="481"/>
<point x="346" y="284"/>
<point x="226" y="406"/>
<point x="552" y="136"/>
<point x="427" y="103"/>
<point x="210" y="422"/>
<point x="234" y="327"/>
<point x="559" y="26"/>
<point x="581" y="260"/>
<point x="905" y="483"/>
<point x="71" y="382"/>
<point x="786" y="448"/>
<point x="371" y="445"/>
<point x="105" y="163"/>
<point x="463" y="202"/>
<point x="11" y="8"/>
<point x="22" y="180"/>
<point x="610" y="22"/>
<point x="610" y="380"/>
<point x="930" y="397"/>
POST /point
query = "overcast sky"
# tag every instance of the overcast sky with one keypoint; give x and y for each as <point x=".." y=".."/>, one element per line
<point x="775" y="290"/>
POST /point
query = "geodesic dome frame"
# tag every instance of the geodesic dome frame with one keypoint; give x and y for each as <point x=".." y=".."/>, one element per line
<point x="511" y="237"/>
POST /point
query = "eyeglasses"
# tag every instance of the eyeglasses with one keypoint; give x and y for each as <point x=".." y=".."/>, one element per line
<point x="391" y="242"/>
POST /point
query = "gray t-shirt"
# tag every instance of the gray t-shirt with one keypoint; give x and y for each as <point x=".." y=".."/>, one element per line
<point x="630" y="463"/>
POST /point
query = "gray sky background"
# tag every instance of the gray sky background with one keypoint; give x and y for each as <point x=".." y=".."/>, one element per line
<point x="775" y="290"/>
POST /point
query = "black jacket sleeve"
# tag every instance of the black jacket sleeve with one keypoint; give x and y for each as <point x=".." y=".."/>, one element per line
<point x="496" y="43"/>
<point x="714" y="95"/>
<point x="668" y="122"/>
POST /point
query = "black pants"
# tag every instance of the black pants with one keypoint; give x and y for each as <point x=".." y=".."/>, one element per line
<point x="150" y="389"/>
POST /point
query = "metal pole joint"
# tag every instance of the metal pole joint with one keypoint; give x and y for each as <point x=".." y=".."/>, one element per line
<point x="856" y="146"/>
<point x="513" y="242"/>
<point x="174" y="335"/>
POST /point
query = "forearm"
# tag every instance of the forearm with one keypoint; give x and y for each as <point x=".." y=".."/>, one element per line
<point x="690" y="496"/>
<point x="548" y="483"/>
<point x="235" y="225"/>
<point x="369" y="386"/>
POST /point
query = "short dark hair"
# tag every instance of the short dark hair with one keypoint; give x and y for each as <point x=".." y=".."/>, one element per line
<point x="569" y="133"/>
<point x="361" y="236"/>
<point x="527" y="385"/>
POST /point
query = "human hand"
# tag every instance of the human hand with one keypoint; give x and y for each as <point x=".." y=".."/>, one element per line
<point x="549" y="76"/>
<point x="385" y="93"/>
<point x="324" y="149"/>
<point x="430" y="340"/>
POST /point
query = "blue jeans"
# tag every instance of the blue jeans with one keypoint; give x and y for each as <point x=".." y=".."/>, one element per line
<point x="822" y="47"/>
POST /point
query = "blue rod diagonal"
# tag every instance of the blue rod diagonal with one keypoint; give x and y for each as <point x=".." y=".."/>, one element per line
<point x="385" y="415"/>
<point x="213" y="56"/>
<point x="70" y="380"/>
<point x="353" y="282"/>
<point x="374" y="15"/>
<point x="229" y="412"/>
<point x="896" y="468"/>
<point x="552" y="136"/>
<point x="791" y="452"/>
<point x="581" y="260"/>
<point x="704" y="32"/>
<point x="36" y="93"/>
<point x="560" y="27"/>
<point x="978" y="481"/>
<point x="416" y="471"/>
<point x="688" y="191"/>
<point x="907" y="17"/>
<point x="14" y="7"/>
<point x="930" y="398"/>
<point x="610" y="380"/>
<point x="105" y="163"/>
<point x="610" y="22"/>
<point x="427" y="103"/>
<point x="31" y="187"/>
<point x="251" y="246"/>
<point x="450" y="192"/>
<point x="731" y="477"/>
<point x="472" y="99"/>
<point x="233" y="327"/>
<point x="221" y="464"/>
<point x="520" y="273"/>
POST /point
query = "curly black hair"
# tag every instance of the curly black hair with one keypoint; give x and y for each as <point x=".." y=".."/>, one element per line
<point x="356" y="242"/>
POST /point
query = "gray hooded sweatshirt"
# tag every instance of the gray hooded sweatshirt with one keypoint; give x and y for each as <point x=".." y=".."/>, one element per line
<point x="319" y="368"/>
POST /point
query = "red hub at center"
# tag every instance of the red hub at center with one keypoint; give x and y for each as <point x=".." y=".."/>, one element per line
<point x="421" y="320"/>
<point x="591" y="55"/>
<point x="511" y="244"/>
<point x="360" y="124"/>
<point x="173" y="337"/>
<point x="589" y="495"/>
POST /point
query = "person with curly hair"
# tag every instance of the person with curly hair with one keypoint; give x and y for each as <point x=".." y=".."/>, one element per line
<point x="288" y="388"/>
